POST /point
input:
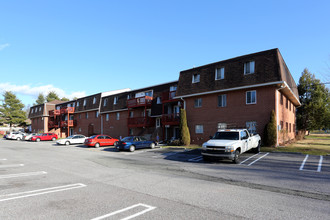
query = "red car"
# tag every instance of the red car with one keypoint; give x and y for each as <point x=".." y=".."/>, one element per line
<point x="44" y="137"/>
<point x="100" y="140"/>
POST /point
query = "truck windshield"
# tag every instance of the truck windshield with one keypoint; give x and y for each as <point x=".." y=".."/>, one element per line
<point x="226" y="136"/>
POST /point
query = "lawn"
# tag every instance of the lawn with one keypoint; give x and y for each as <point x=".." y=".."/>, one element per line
<point x="315" y="144"/>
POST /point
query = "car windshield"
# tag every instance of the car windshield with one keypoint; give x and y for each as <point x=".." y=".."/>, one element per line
<point x="226" y="135"/>
<point x="127" y="139"/>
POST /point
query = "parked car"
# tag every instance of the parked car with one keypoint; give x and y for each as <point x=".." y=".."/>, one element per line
<point x="73" y="139"/>
<point x="44" y="137"/>
<point x="28" y="137"/>
<point x="100" y="140"/>
<point x="15" y="136"/>
<point x="134" y="142"/>
<point x="230" y="143"/>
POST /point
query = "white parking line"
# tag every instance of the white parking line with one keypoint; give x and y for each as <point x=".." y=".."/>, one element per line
<point x="249" y="158"/>
<point x="41" y="191"/>
<point x="320" y="164"/>
<point x="257" y="159"/>
<point x="22" y="174"/>
<point x="11" y="165"/>
<point x="149" y="208"/>
<point x="196" y="159"/>
<point x="303" y="163"/>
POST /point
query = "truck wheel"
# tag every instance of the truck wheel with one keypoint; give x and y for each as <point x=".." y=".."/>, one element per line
<point x="236" y="158"/>
<point x="257" y="149"/>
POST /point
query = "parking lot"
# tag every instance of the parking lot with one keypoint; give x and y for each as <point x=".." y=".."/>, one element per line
<point x="46" y="181"/>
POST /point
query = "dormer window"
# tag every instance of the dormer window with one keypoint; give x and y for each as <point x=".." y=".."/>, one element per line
<point x="219" y="73"/>
<point x="249" y="67"/>
<point x="94" y="100"/>
<point x="195" y="78"/>
<point x="40" y="109"/>
<point x="84" y="102"/>
<point x="159" y="100"/>
<point x="115" y="100"/>
<point x="31" y="110"/>
<point x="105" y="102"/>
<point x="128" y="96"/>
<point x="77" y="104"/>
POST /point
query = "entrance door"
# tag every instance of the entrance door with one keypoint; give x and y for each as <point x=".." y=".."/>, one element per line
<point x="71" y="131"/>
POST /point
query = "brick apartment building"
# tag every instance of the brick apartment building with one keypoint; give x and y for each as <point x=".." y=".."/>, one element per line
<point x="239" y="92"/>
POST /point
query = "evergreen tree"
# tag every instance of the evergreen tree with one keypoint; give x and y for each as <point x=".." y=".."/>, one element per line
<point x="52" y="96"/>
<point x="40" y="99"/>
<point x="270" y="131"/>
<point x="185" y="135"/>
<point x="315" y="103"/>
<point x="11" y="110"/>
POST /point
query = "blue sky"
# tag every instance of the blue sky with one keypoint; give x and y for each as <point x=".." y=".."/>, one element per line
<point x="78" y="48"/>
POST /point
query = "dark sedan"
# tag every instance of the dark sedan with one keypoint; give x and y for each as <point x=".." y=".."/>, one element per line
<point x="134" y="142"/>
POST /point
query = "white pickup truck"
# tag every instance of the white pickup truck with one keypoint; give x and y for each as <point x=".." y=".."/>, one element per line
<point x="230" y="143"/>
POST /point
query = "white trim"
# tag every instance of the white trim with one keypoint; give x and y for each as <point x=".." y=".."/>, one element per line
<point x="292" y="92"/>
<point x="227" y="90"/>
<point x="150" y="87"/>
<point x="88" y="110"/>
<point x="120" y="110"/>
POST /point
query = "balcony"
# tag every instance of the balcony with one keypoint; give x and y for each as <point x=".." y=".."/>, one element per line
<point x="140" y="122"/>
<point x="67" y="110"/>
<point x="171" y="119"/>
<point x="169" y="96"/>
<point x="68" y="123"/>
<point x="141" y="101"/>
<point x="52" y="124"/>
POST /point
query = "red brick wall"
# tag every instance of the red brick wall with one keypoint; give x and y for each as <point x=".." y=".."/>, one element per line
<point x="84" y="124"/>
<point x="236" y="113"/>
<point x="115" y="128"/>
<point x="37" y="125"/>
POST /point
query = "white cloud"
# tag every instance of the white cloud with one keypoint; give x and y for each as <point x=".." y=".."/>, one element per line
<point x="3" y="46"/>
<point x="35" y="91"/>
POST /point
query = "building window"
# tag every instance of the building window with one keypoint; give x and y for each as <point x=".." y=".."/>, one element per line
<point x="39" y="109"/>
<point x="251" y="126"/>
<point x="115" y="100"/>
<point x="105" y="102"/>
<point x="149" y="93"/>
<point x="77" y="104"/>
<point x="294" y="128"/>
<point x="251" y="97"/>
<point x="198" y="103"/>
<point x="281" y="99"/>
<point x="159" y="100"/>
<point x="199" y="129"/>
<point x="290" y="106"/>
<point x="287" y="126"/>
<point x="117" y="116"/>
<point x="195" y="78"/>
<point x="287" y="103"/>
<point x="84" y="102"/>
<point x="94" y="100"/>
<point x="32" y="110"/>
<point x="128" y="96"/>
<point x="281" y="124"/>
<point x="79" y="116"/>
<point x="79" y="129"/>
<point x="222" y="126"/>
<point x="97" y="114"/>
<point x="249" y="67"/>
<point x="130" y="131"/>
<point x="157" y="122"/>
<point x="290" y="127"/>
<point x="219" y="73"/>
<point x="86" y="115"/>
<point x="222" y="100"/>
<point x="107" y="117"/>
<point x="131" y="114"/>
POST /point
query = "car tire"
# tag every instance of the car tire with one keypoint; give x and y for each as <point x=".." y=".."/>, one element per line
<point x="18" y="138"/>
<point x="53" y="139"/>
<point x="236" y="157"/>
<point x="257" y="149"/>
<point x="97" y="145"/>
<point x="67" y="143"/>
<point x="152" y="145"/>
<point x="132" y="148"/>
<point x="38" y="139"/>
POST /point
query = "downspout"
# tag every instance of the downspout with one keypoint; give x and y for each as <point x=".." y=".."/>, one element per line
<point x="277" y="114"/>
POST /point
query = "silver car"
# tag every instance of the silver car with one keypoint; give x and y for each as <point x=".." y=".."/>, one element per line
<point x="73" y="139"/>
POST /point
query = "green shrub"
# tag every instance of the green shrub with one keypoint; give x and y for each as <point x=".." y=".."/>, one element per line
<point x="270" y="131"/>
<point x="185" y="135"/>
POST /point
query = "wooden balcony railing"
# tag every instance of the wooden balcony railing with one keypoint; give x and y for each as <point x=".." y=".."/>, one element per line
<point x="171" y="119"/>
<point x="68" y="123"/>
<point x="141" y="101"/>
<point x="52" y="124"/>
<point x="168" y="96"/>
<point x="67" y="110"/>
<point x="140" y="122"/>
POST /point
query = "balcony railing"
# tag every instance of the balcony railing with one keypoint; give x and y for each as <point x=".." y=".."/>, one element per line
<point x="168" y="96"/>
<point x="57" y="112"/>
<point x="140" y="122"/>
<point x="52" y="124"/>
<point x="171" y="119"/>
<point x="67" y="110"/>
<point x="141" y="101"/>
<point x="68" y="123"/>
